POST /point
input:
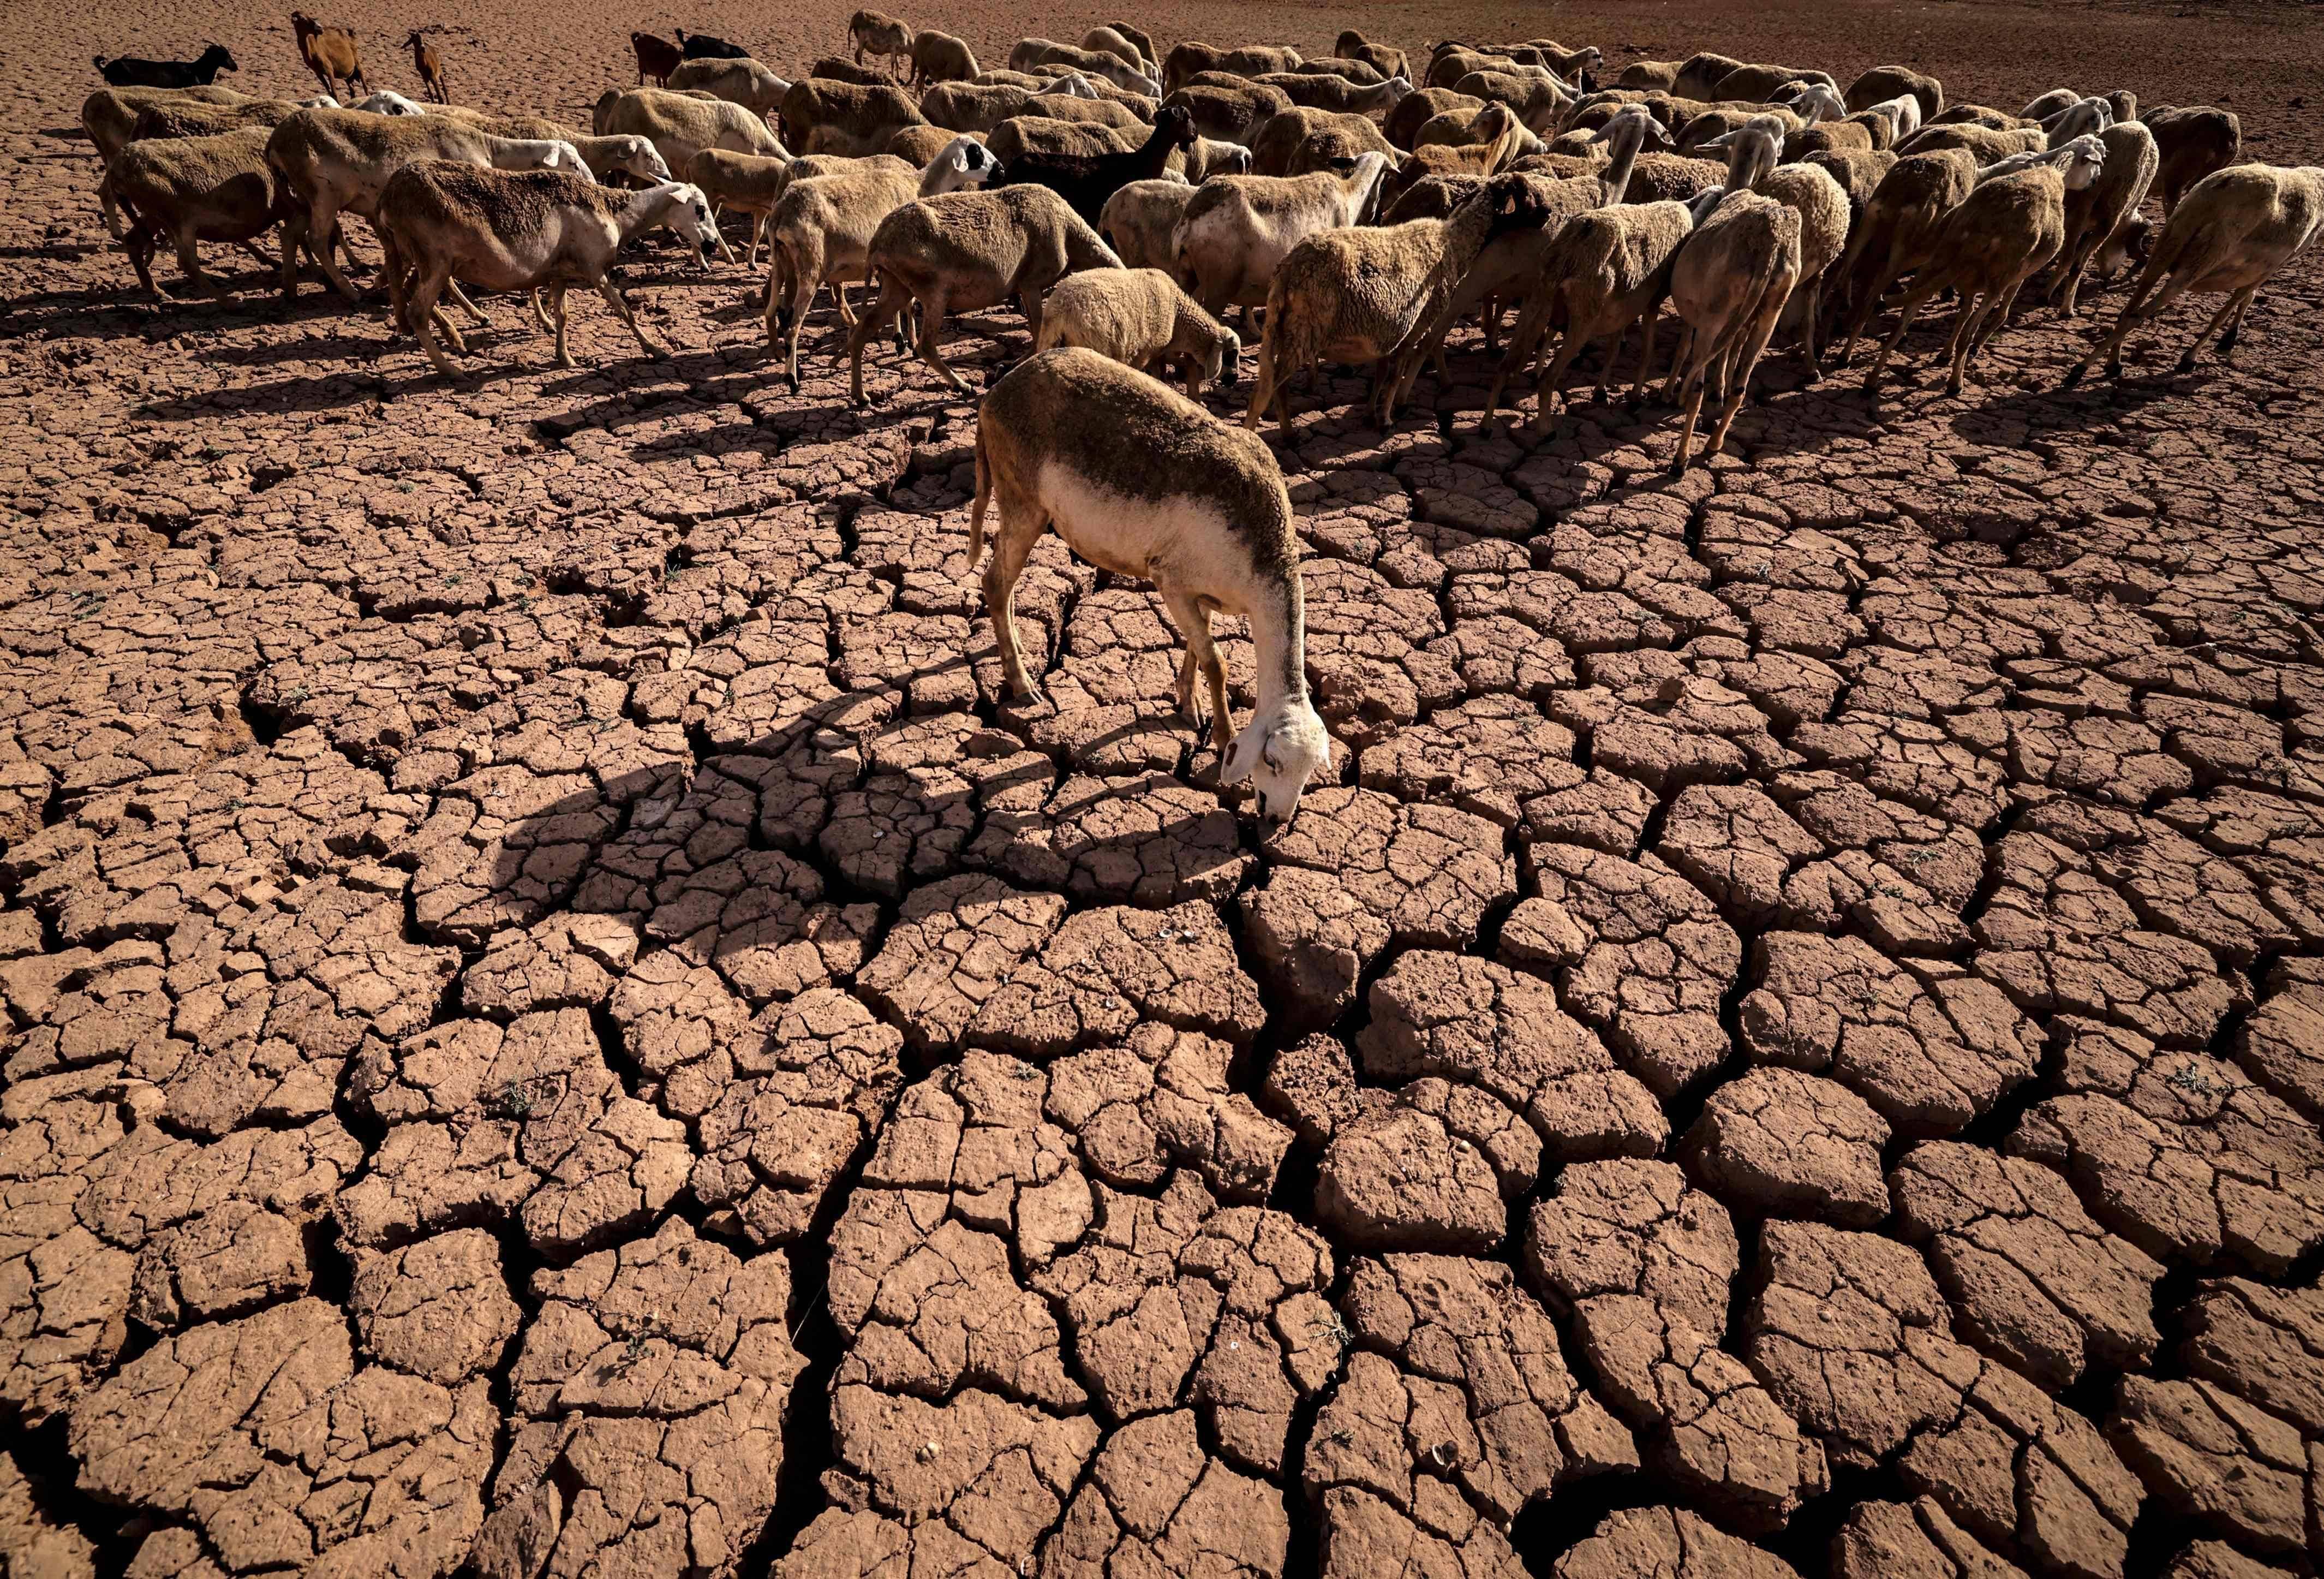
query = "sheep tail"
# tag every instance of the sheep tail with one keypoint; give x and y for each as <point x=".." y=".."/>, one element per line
<point x="984" y="497"/>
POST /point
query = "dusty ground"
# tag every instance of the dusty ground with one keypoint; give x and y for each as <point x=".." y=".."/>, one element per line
<point x="555" y="1018"/>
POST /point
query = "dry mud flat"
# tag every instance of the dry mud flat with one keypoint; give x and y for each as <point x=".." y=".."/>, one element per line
<point x="557" y="1020"/>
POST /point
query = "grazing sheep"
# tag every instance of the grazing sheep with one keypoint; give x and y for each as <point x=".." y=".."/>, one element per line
<point x="840" y="68"/>
<point x="334" y="162"/>
<point x="1086" y="182"/>
<point x="1366" y="293"/>
<point x="1355" y="71"/>
<point x="1885" y="82"/>
<point x="2193" y="144"/>
<point x="208" y="120"/>
<point x="1701" y="73"/>
<point x="1540" y="102"/>
<point x="330" y="53"/>
<point x="1753" y="165"/>
<point x="1114" y="42"/>
<point x="2044" y="105"/>
<point x="657" y="58"/>
<point x="703" y="46"/>
<point x="1900" y="224"/>
<point x="1207" y="156"/>
<point x="1983" y="143"/>
<point x="966" y="252"/>
<point x="875" y="34"/>
<point x="982" y="106"/>
<point x="680" y="126"/>
<point x="1253" y="60"/>
<point x="128" y="72"/>
<point x="1758" y="84"/>
<point x="1143" y="43"/>
<point x="1237" y="230"/>
<point x="1231" y="114"/>
<point x="1277" y="145"/>
<point x="388" y="102"/>
<point x="1336" y="93"/>
<point x="1141" y="481"/>
<point x="939" y="57"/>
<point x="2230" y="235"/>
<point x="827" y="116"/>
<point x="109" y="115"/>
<point x="2001" y="234"/>
<point x="2095" y="213"/>
<point x="1607" y="269"/>
<point x="741" y="183"/>
<point x="1728" y="283"/>
<point x="429" y="67"/>
<point x="525" y="231"/>
<point x="822" y="228"/>
<point x="1900" y="115"/>
<point x="744" y="82"/>
<point x="192" y="190"/>
<point x="1388" y="62"/>
<point x="1139" y="317"/>
<point x="1031" y="54"/>
<point x="1649" y="76"/>
<point x="1139" y="220"/>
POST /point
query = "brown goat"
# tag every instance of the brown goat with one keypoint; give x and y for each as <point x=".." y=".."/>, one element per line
<point x="657" y="58"/>
<point x="430" y="66"/>
<point x="330" y="54"/>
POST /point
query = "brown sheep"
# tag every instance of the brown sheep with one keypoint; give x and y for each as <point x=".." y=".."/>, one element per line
<point x="330" y="53"/>
<point x="657" y="58"/>
<point x="430" y="66"/>
<point x="2098" y="213"/>
<point x="2193" y="142"/>
<point x="1885" y="82"/>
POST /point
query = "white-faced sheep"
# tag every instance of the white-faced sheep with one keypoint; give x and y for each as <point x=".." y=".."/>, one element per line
<point x="1237" y="230"/>
<point x="334" y="162"/>
<point x="744" y="82"/>
<point x="2098" y="213"/>
<point x="2000" y="236"/>
<point x="1141" y="319"/>
<point x="537" y="230"/>
<point x="966" y="252"/>
<point x="879" y="35"/>
<point x="2228" y="235"/>
<point x="1608" y="269"/>
<point x="1139" y="220"/>
<point x="822" y="227"/>
<point x="1728" y="283"/>
<point x="1141" y="481"/>
<point x="1366" y="294"/>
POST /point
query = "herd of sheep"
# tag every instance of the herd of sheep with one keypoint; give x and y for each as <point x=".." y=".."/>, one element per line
<point x="1355" y="210"/>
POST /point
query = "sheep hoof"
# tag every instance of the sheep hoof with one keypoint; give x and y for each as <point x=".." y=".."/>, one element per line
<point x="2186" y="362"/>
<point x="2073" y="377"/>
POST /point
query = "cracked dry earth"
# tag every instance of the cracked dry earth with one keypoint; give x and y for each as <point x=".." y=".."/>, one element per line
<point x="558" y="1021"/>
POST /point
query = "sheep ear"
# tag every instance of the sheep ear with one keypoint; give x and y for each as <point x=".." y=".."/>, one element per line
<point x="1240" y="760"/>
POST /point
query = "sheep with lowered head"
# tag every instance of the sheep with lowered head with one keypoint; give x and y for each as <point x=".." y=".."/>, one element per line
<point x="1139" y="317"/>
<point x="1141" y="481"/>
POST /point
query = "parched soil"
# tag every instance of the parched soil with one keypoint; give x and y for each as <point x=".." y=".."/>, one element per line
<point x="557" y="1019"/>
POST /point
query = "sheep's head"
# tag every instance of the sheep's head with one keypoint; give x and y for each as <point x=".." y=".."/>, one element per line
<point x="2082" y="160"/>
<point x="1278" y="752"/>
<point x="561" y="155"/>
<point x="690" y="216"/>
<point x="1514" y="204"/>
<point x="1175" y="126"/>
<point x="1635" y="121"/>
<point x="637" y="157"/>
<point x="966" y="163"/>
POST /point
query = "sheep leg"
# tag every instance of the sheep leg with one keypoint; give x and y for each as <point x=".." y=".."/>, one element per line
<point x="1569" y="346"/>
<point x="612" y="295"/>
<point x="890" y="301"/>
<point x="109" y="209"/>
<point x="1865" y="306"/>
<point x="1613" y="354"/>
<point x="803" y="284"/>
<point x="1808" y="337"/>
<point x="265" y="260"/>
<point x="1743" y="358"/>
<point x="1680" y="354"/>
<point x="1022" y="523"/>
<point x="1530" y="326"/>
<point x="424" y="320"/>
<point x="758" y="229"/>
<point x="1691" y="384"/>
<point x="1186" y="613"/>
<point x="1262" y="384"/>
<point x="2227" y="346"/>
<point x="1973" y="311"/>
<point x="1993" y="321"/>
<point x="557" y="312"/>
<point x="2234" y="307"/>
<point x="139" y="243"/>
<point x="1912" y="305"/>
<point x="325" y="222"/>
<point x="476" y="315"/>
<point x="1645" y="361"/>
<point x="931" y="325"/>
<point x="295" y="235"/>
<point x="539" y="313"/>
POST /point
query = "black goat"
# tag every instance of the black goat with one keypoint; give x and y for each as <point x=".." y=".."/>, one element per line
<point x="126" y="71"/>
<point x="1085" y="180"/>
<point x="701" y="46"/>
